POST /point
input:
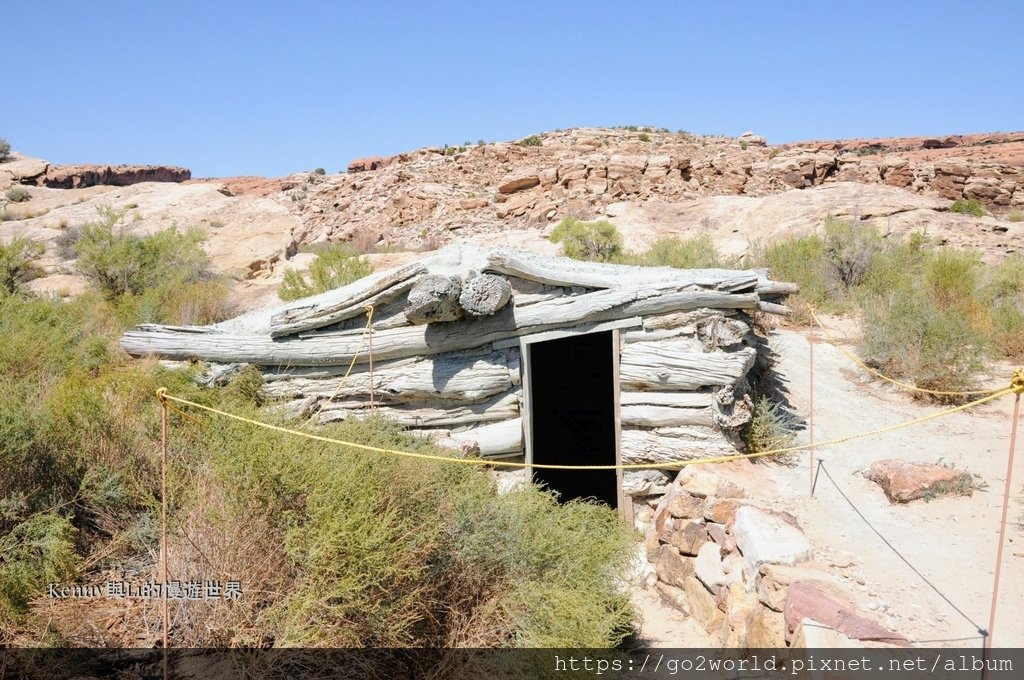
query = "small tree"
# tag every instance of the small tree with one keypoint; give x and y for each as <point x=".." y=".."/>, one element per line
<point x="336" y="266"/>
<point x="598" y="241"/>
<point x="16" y="263"/>
<point x="123" y="263"/>
<point x="5" y="149"/>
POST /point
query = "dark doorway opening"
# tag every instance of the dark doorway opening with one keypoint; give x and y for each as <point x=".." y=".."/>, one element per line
<point x="572" y="414"/>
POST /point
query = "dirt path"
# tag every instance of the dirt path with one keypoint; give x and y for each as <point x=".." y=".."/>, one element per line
<point x="951" y="541"/>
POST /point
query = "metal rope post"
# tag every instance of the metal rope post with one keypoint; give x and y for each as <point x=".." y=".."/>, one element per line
<point x="163" y="517"/>
<point x="810" y="434"/>
<point x="1018" y="388"/>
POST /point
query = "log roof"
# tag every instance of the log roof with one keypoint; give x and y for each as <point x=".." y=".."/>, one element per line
<point x="418" y="309"/>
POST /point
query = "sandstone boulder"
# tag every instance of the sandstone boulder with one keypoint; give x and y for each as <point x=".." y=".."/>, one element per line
<point x="688" y="537"/>
<point x="702" y="605"/>
<point x="707" y="567"/>
<point x="685" y="506"/>
<point x="369" y="163"/>
<point x="672" y="568"/>
<point x="903" y="482"/>
<point x="524" y="178"/>
<point x="765" y="538"/>
<point x="807" y="601"/>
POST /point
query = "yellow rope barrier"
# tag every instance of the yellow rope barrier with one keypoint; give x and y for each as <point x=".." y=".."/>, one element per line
<point x="162" y="394"/>
<point x="369" y="320"/>
<point x="907" y="386"/>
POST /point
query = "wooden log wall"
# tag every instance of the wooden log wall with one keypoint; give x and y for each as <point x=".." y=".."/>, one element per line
<point x="682" y="370"/>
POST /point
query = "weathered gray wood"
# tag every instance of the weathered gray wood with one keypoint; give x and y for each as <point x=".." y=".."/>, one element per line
<point x="346" y="302"/>
<point x="664" y="366"/>
<point x="485" y="294"/>
<point x="688" y="400"/>
<point x="604" y="305"/>
<point x="773" y="308"/>
<point x="495" y="440"/>
<point x="682" y="319"/>
<point x="560" y="271"/>
<point x="643" y="415"/>
<point x="569" y="331"/>
<point x="433" y="413"/>
<point x="460" y="376"/>
<point x="434" y="298"/>
<point x="668" y="444"/>
<point x="685" y="334"/>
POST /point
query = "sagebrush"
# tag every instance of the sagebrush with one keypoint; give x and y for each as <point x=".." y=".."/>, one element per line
<point x="337" y="265"/>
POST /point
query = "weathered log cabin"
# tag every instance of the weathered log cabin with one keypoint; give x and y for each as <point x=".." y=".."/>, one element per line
<point x="507" y="354"/>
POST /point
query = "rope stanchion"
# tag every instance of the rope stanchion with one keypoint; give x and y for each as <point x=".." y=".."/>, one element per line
<point x="669" y="465"/>
<point x="164" y="403"/>
<point x="1017" y="387"/>
<point x="878" y="374"/>
<point x="810" y="415"/>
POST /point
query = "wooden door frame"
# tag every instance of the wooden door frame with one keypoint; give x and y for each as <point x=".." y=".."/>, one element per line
<point x="526" y="366"/>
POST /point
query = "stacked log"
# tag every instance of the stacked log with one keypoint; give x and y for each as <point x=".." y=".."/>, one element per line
<point x="446" y="358"/>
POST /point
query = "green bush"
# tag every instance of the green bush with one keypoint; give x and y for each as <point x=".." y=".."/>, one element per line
<point x="532" y="140"/>
<point x="770" y="428"/>
<point x="849" y="248"/>
<point x="800" y="260"/>
<point x="5" y="149"/>
<point x="36" y="552"/>
<point x="319" y="171"/>
<point x="16" y="263"/>
<point x="697" y="252"/>
<point x="644" y="137"/>
<point x="122" y="263"/>
<point x="598" y="241"/>
<point x="970" y="206"/>
<point x="336" y="266"/>
<point x="334" y="547"/>
<point x="17" y="194"/>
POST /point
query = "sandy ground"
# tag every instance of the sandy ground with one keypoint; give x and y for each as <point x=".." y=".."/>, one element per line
<point x="951" y="540"/>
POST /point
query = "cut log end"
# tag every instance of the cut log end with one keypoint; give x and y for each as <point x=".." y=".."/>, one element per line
<point x="434" y="298"/>
<point x="485" y="295"/>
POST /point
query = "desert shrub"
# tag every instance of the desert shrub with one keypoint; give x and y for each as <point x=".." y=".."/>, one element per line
<point x="698" y="252"/>
<point x="964" y="484"/>
<point x="849" y="248"/>
<point x="16" y="263"/>
<point x="319" y="171"/>
<point x="1015" y="216"/>
<point x="598" y="241"/>
<point x="532" y="140"/>
<point x="909" y="333"/>
<point x="336" y="266"/>
<point x="968" y="206"/>
<point x="122" y="263"/>
<point x="644" y="137"/>
<point x="17" y="194"/>
<point x="800" y="260"/>
<point x="36" y="552"/>
<point x="5" y="149"/>
<point x="770" y="427"/>
<point x="334" y="547"/>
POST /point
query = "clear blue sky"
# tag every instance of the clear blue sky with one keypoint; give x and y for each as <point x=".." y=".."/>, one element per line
<point x="269" y="88"/>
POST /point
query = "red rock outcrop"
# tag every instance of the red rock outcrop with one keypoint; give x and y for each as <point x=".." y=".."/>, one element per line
<point x="77" y="176"/>
<point x="369" y="163"/>
<point x="904" y="482"/>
